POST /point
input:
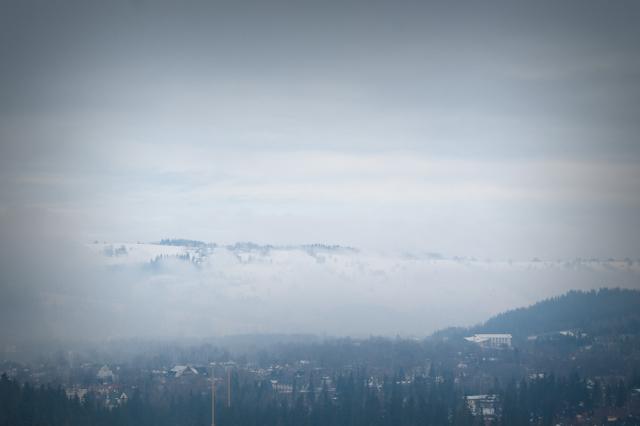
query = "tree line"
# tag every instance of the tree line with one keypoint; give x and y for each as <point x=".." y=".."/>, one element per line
<point x="351" y="401"/>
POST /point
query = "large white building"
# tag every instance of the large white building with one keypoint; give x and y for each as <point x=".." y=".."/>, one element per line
<point x="491" y="340"/>
<point x="483" y="405"/>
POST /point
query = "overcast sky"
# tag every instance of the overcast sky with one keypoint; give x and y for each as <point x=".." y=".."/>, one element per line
<point x="494" y="130"/>
<point x="491" y="129"/>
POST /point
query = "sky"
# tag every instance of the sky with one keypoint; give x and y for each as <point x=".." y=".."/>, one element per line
<point x="502" y="130"/>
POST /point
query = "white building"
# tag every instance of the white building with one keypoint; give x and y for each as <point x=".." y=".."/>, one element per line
<point x="483" y="405"/>
<point x="184" y="370"/>
<point x="491" y="340"/>
<point x="105" y="374"/>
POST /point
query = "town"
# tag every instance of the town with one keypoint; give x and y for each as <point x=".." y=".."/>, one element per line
<point x="454" y="377"/>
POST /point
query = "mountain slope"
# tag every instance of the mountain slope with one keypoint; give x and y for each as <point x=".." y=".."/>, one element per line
<point x="596" y="312"/>
<point x="604" y="311"/>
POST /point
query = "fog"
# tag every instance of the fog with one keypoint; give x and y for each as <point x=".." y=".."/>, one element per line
<point x="59" y="290"/>
<point x="442" y="147"/>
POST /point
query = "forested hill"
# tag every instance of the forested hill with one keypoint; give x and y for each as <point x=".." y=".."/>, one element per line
<point x="597" y="312"/>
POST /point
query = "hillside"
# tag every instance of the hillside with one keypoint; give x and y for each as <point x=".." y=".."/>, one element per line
<point x="596" y="312"/>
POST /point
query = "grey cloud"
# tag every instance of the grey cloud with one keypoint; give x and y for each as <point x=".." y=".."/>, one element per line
<point x="481" y="80"/>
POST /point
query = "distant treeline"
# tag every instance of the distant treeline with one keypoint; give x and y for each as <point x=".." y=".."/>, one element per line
<point x="182" y="242"/>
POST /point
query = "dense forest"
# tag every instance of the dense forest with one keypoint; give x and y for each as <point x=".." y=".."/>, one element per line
<point x="423" y="402"/>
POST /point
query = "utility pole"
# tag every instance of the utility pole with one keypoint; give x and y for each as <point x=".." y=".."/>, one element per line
<point x="228" y="388"/>
<point x="213" y="397"/>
